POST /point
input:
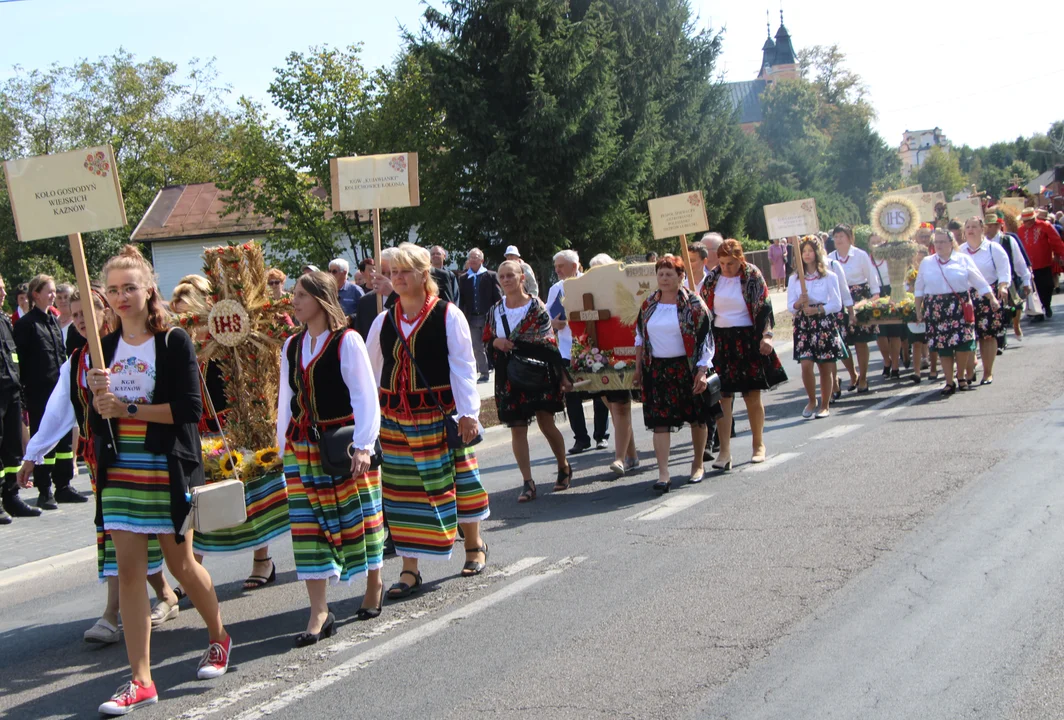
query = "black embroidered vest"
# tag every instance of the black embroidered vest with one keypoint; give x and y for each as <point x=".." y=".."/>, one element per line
<point x="321" y="398"/>
<point x="428" y="343"/>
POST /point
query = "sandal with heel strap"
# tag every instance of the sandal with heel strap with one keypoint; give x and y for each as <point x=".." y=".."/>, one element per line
<point x="401" y="590"/>
<point x="565" y="479"/>
<point x="529" y="493"/>
<point x="254" y="582"/>
<point x="475" y="567"/>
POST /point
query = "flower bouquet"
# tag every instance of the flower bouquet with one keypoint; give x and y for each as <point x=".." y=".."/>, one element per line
<point x="885" y="311"/>
<point x="597" y="369"/>
<point x="220" y="464"/>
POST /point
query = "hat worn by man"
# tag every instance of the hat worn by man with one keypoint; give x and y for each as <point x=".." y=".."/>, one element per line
<point x="309" y="269"/>
<point x="512" y="250"/>
<point x="992" y="219"/>
<point x="1027" y="214"/>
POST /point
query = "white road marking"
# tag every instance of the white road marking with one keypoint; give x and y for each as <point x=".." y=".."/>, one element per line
<point x="883" y="404"/>
<point x="771" y="462"/>
<point x="669" y="506"/>
<point x="836" y="432"/>
<point x="518" y="567"/>
<point x="230" y="698"/>
<point x="911" y="401"/>
<point x="400" y="642"/>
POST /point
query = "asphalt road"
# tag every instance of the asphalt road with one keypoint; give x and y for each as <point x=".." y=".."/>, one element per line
<point x="896" y="560"/>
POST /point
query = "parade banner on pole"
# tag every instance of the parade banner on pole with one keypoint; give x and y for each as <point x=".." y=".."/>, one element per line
<point x="1017" y="204"/>
<point x="792" y="219"/>
<point x="926" y="204"/>
<point x="676" y="216"/>
<point x="963" y="209"/>
<point x="374" y="182"/>
<point x="911" y="190"/>
<point x="68" y="194"/>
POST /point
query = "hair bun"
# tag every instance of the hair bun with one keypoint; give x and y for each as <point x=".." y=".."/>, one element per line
<point x="131" y="251"/>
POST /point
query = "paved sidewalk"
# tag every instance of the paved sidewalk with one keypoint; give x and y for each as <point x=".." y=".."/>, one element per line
<point x="53" y="533"/>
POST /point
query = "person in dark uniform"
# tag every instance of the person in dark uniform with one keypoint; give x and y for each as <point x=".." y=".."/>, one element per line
<point x="479" y="291"/>
<point x="10" y="424"/>
<point x="445" y="279"/>
<point x="41" y="353"/>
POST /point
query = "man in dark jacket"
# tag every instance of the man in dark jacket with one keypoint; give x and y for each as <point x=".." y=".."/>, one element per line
<point x="478" y="290"/>
<point x="10" y="424"/>
<point x="446" y="280"/>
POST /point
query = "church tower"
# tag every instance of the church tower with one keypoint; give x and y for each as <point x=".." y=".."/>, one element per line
<point x="778" y="59"/>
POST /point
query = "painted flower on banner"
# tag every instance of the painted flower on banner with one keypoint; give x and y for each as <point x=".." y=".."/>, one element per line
<point x="807" y="206"/>
<point x="97" y="163"/>
<point x="398" y="163"/>
<point x="695" y="199"/>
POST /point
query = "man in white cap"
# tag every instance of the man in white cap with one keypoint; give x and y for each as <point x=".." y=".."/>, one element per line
<point x="531" y="286"/>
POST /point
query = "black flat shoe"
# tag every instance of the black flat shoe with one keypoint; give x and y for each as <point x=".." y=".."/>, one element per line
<point x="475" y="567"/>
<point x="402" y="590"/>
<point x="851" y="388"/>
<point x="916" y="379"/>
<point x="895" y="374"/>
<point x="47" y="502"/>
<point x="662" y="487"/>
<point x="862" y="391"/>
<point x="16" y="507"/>
<point x="370" y="613"/>
<point x="948" y="390"/>
<point x="304" y="639"/>
<point x="886" y="371"/>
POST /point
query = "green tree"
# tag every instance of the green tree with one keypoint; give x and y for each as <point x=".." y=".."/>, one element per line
<point x="166" y="128"/>
<point x="941" y="172"/>
<point x="791" y="112"/>
<point x="858" y="159"/>
<point x="825" y="67"/>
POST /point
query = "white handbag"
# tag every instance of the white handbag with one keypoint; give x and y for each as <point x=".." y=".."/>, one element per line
<point x="218" y="506"/>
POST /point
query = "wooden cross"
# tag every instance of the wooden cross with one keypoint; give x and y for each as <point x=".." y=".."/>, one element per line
<point x="252" y="368"/>
<point x="590" y="316"/>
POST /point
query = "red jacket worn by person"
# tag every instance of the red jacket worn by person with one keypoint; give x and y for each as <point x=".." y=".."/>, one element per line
<point x="1041" y="240"/>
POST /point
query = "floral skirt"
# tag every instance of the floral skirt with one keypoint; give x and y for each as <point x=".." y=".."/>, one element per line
<point x="667" y="397"/>
<point x="517" y="408"/>
<point x="989" y="323"/>
<point x="817" y="338"/>
<point x="739" y="362"/>
<point x="861" y="333"/>
<point x="946" y="329"/>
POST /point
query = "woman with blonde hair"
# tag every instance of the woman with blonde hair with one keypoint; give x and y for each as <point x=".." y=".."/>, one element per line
<point x="327" y="384"/>
<point x="817" y="341"/>
<point x="422" y="354"/>
<point x="265" y="496"/>
<point x="150" y="396"/>
<point x="518" y="331"/>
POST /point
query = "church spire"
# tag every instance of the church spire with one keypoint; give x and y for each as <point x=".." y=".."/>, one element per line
<point x="784" y="54"/>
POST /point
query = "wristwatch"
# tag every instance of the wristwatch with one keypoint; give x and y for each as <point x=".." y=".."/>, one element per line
<point x="131" y="409"/>
<point x="767" y="335"/>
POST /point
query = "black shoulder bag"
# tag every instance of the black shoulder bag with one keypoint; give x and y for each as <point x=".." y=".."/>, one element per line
<point x="453" y="437"/>
<point x="524" y="372"/>
<point x="335" y="444"/>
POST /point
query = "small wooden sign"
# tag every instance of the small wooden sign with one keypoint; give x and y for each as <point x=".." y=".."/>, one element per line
<point x="374" y="182"/>
<point x="792" y="219"/>
<point x="1015" y="203"/>
<point x="911" y="190"/>
<point x="678" y="215"/>
<point x="961" y="210"/>
<point x="67" y="193"/>
<point x="926" y="203"/>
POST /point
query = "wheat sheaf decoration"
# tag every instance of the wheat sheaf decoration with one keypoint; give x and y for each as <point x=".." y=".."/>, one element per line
<point x="895" y="218"/>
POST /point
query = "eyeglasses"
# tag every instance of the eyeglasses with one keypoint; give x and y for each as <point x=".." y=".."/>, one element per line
<point x="336" y="270"/>
<point x="113" y="292"/>
<point x="273" y="283"/>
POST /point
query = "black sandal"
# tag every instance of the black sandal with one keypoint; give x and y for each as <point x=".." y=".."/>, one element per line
<point x="948" y="390"/>
<point x="963" y="385"/>
<point x="254" y="582"/>
<point x="565" y="478"/>
<point x="474" y="567"/>
<point x="365" y="613"/>
<point x="530" y="492"/>
<point x="401" y="590"/>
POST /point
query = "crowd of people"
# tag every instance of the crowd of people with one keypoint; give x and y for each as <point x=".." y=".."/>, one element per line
<point x="410" y="342"/>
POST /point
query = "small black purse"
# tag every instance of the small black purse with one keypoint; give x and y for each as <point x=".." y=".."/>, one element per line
<point x="524" y="372"/>
<point x="450" y="425"/>
<point x="336" y="450"/>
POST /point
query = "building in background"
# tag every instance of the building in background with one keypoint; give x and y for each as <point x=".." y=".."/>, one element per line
<point x="778" y="62"/>
<point x="917" y="144"/>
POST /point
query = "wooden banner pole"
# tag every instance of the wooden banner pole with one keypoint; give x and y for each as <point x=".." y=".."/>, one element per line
<point x="377" y="251"/>
<point x="799" y="263"/>
<point x="685" y="254"/>
<point x="92" y="326"/>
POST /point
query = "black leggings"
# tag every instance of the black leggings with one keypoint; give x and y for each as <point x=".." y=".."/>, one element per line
<point x="1043" y="283"/>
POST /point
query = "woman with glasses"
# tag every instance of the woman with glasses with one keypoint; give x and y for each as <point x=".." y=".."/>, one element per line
<point x="943" y="289"/>
<point x="275" y="280"/>
<point x="145" y="424"/>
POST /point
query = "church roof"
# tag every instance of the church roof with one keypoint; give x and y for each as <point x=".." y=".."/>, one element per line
<point x="784" y="50"/>
<point x="746" y="99"/>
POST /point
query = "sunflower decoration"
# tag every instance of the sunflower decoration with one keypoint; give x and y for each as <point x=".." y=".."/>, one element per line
<point x="230" y="461"/>
<point x="268" y="459"/>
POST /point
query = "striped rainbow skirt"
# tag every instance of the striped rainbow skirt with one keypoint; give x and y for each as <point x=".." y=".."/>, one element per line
<point x="337" y="525"/>
<point x="428" y="489"/>
<point x="266" y="499"/>
<point x="137" y="496"/>
<point x="106" y="560"/>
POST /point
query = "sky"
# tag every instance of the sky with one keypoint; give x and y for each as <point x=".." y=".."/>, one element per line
<point x="923" y="61"/>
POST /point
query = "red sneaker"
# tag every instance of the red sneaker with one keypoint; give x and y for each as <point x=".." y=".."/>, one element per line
<point x="216" y="660"/>
<point x="129" y="697"/>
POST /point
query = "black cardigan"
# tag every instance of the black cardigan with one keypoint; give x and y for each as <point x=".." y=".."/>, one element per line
<point x="177" y="383"/>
